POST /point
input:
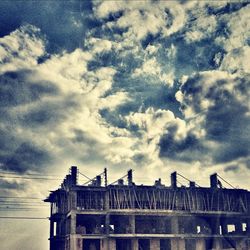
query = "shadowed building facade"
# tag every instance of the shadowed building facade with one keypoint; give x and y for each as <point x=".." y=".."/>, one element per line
<point x="123" y="216"/>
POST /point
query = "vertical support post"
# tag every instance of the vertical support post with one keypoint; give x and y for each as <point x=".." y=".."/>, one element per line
<point x="248" y="226"/>
<point x="213" y="181"/>
<point x="238" y="227"/>
<point x="215" y="225"/>
<point x="130" y="177"/>
<point x="224" y="227"/>
<point x="192" y="184"/>
<point x="51" y="228"/>
<point x="174" y="225"/>
<point x="241" y="244"/>
<point x="217" y="244"/>
<point x="176" y="243"/>
<point x="73" y="222"/>
<point x="134" y="243"/>
<point x="132" y="224"/>
<point x="154" y="244"/>
<point x="98" y="181"/>
<point x="73" y="242"/>
<point x="105" y="177"/>
<point x="112" y="244"/>
<point x="200" y="244"/>
<point x="107" y="217"/>
<point x="73" y="175"/>
<point x="79" y="243"/>
<point x="174" y="180"/>
<point x="104" y="244"/>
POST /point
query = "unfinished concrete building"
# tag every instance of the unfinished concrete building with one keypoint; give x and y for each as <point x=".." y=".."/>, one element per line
<point x="126" y="216"/>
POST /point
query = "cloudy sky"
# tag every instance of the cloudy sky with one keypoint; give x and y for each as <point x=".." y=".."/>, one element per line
<point x="155" y="86"/>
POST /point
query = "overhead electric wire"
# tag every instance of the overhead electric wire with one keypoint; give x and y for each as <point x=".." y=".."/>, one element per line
<point x="23" y="218"/>
<point x="84" y="175"/>
<point x="226" y="182"/>
<point x="30" y="174"/>
<point x="181" y="183"/>
<point x="120" y="178"/>
<point x="187" y="179"/>
<point x="29" y="178"/>
<point x="20" y="197"/>
<point x="20" y="208"/>
<point x="92" y="178"/>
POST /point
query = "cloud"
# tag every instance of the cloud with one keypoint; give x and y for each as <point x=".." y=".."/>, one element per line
<point x="237" y="60"/>
<point x="202" y="27"/>
<point x="149" y="127"/>
<point x="236" y="29"/>
<point x="153" y="68"/>
<point x="138" y="20"/>
<point x="216" y="103"/>
<point x="21" y="49"/>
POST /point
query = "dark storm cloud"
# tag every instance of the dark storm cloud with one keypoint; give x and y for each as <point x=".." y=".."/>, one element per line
<point x="17" y="153"/>
<point x="47" y="113"/>
<point x="25" y="157"/>
<point x="16" y="89"/>
<point x="184" y="150"/>
<point x="225" y="116"/>
<point x="10" y="185"/>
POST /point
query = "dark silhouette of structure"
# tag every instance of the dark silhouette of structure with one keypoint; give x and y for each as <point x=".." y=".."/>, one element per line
<point x="125" y="216"/>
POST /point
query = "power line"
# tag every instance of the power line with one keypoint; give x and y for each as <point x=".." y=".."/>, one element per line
<point x="22" y="204"/>
<point x="23" y="218"/>
<point x="29" y="178"/>
<point x="93" y="178"/>
<point x="187" y="179"/>
<point x="20" y="197"/>
<point x="14" y="173"/>
<point x="85" y="176"/>
<point x="226" y="182"/>
<point x="20" y="208"/>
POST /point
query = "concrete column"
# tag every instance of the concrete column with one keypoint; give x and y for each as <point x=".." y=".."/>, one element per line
<point x="215" y="225"/>
<point x="241" y="245"/>
<point x="73" y="222"/>
<point x="161" y="225"/>
<point x="107" y="223"/>
<point x="111" y="244"/>
<point x="73" y="242"/>
<point x="238" y="227"/>
<point x="224" y="227"/>
<point x="104" y="244"/>
<point x="248" y="226"/>
<point x="174" y="225"/>
<point x="73" y="199"/>
<point x="79" y="243"/>
<point x="134" y="243"/>
<point x="154" y="244"/>
<point x="217" y="244"/>
<point x="51" y="228"/>
<point x="200" y="244"/>
<point x="181" y="244"/>
<point x="132" y="224"/>
<point x="177" y="244"/>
